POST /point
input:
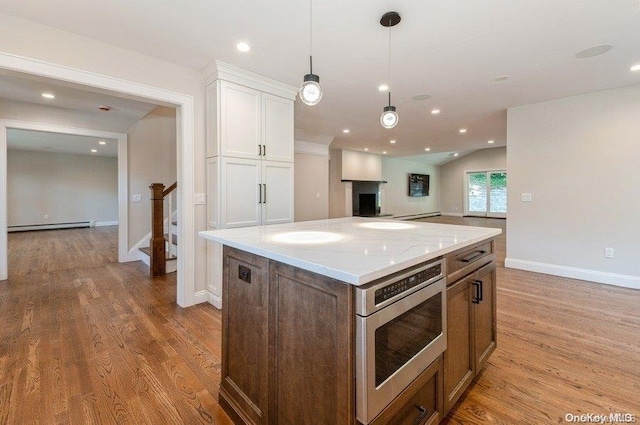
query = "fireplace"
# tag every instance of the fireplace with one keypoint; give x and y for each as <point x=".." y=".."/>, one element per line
<point x="365" y="198"/>
<point x="367" y="204"/>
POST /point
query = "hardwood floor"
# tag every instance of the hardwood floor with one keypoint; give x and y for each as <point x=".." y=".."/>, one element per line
<point x="564" y="347"/>
<point x="84" y="340"/>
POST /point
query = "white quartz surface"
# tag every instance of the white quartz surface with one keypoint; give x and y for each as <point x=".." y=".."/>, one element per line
<point x="355" y="250"/>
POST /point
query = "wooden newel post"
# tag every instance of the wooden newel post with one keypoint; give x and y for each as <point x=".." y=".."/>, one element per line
<point x="157" y="260"/>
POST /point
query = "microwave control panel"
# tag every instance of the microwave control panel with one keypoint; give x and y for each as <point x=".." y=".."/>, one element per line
<point x="402" y="285"/>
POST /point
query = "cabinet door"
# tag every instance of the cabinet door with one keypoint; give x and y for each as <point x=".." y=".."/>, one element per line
<point x="277" y="127"/>
<point x="485" y="332"/>
<point x="240" y="192"/>
<point x="311" y="377"/>
<point x="277" y="196"/>
<point x="458" y="358"/>
<point x="245" y="350"/>
<point x="240" y="116"/>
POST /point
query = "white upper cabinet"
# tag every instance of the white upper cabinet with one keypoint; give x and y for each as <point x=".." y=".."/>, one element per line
<point x="240" y="121"/>
<point x="277" y="128"/>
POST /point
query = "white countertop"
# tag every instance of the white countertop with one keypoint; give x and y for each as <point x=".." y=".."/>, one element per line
<point x="349" y="249"/>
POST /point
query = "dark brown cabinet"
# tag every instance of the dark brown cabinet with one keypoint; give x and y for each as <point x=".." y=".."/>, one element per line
<point x="421" y="403"/>
<point x="471" y="324"/>
<point x="287" y="344"/>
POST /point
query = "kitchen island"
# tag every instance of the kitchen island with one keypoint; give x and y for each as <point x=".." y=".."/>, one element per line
<point x="293" y="349"/>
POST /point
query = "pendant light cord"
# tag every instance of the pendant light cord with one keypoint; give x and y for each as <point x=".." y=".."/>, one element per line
<point x="389" y="62"/>
<point x="311" y="36"/>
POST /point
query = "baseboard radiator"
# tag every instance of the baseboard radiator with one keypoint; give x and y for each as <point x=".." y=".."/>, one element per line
<point x="414" y="216"/>
<point x="51" y="226"/>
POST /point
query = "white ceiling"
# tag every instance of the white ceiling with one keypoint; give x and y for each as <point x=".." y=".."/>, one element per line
<point x="40" y="141"/>
<point x="72" y="97"/>
<point x="450" y="50"/>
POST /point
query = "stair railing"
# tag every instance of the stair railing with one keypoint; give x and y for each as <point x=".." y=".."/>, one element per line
<point x="158" y="257"/>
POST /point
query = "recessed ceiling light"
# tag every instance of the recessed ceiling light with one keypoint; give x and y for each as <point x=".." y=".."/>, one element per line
<point x="383" y="87"/>
<point x="635" y="68"/>
<point x="243" y="47"/>
<point x="501" y="78"/>
<point x="384" y="152"/>
<point x="462" y="130"/>
<point x="491" y="142"/>
<point x="366" y="149"/>
<point x="102" y="142"/>
<point x="392" y="141"/>
<point x="435" y="111"/>
<point x="455" y="154"/>
<point x="94" y="150"/>
<point x="427" y="149"/>
<point x="48" y="95"/>
<point x="598" y="50"/>
<point x="421" y="97"/>
<point x="346" y="131"/>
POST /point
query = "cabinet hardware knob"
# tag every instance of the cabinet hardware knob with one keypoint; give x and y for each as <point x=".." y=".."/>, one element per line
<point x="423" y="414"/>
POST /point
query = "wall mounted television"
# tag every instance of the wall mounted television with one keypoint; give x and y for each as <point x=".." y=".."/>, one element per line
<point x="418" y="185"/>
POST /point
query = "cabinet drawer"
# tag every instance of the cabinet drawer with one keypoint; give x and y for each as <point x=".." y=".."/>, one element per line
<point x="420" y="403"/>
<point x="466" y="260"/>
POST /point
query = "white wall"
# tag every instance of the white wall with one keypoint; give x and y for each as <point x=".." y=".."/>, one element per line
<point x="361" y="166"/>
<point x="311" y="181"/>
<point x="578" y="157"/>
<point x="452" y="190"/>
<point x="395" y="193"/>
<point x="27" y="39"/>
<point x="64" y="187"/>
<point x="339" y="191"/>
<point x="152" y="159"/>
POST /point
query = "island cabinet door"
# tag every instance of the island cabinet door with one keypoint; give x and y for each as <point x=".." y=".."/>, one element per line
<point x="485" y="335"/>
<point x="458" y="358"/>
<point x="311" y="365"/>
<point x="245" y="336"/>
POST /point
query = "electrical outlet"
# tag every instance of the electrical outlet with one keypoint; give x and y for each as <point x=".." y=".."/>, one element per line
<point x="318" y="195"/>
<point x="526" y="197"/>
<point x="199" y="199"/>
<point x="137" y="198"/>
<point x="608" y="252"/>
<point x="46" y="216"/>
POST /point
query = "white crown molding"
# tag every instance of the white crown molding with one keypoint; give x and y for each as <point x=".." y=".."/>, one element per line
<point x="217" y="70"/>
<point x="614" y="279"/>
<point x="310" y="148"/>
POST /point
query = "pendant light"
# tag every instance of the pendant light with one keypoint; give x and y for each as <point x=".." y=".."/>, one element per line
<point x="310" y="90"/>
<point x="389" y="117"/>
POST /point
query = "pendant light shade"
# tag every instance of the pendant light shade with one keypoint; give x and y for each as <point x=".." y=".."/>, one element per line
<point x="310" y="91"/>
<point x="389" y="117"/>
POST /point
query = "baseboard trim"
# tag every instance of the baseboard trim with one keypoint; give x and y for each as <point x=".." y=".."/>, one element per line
<point x="418" y="215"/>
<point x="450" y="214"/>
<point x="626" y="281"/>
<point x="105" y="223"/>
<point x="201" y="297"/>
<point x="214" y="300"/>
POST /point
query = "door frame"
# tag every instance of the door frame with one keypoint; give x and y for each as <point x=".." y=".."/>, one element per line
<point x="488" y="214"/>
<point x="185" y="140"/>
<point x="123" y="178"/>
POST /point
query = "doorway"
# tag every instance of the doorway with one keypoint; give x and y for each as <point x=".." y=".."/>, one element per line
<point x="486" y="193"/>
<point x="185" y="106"/>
